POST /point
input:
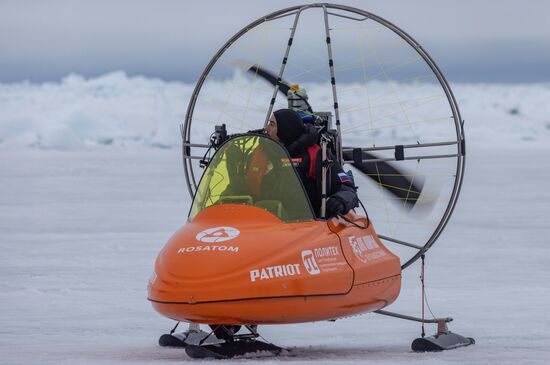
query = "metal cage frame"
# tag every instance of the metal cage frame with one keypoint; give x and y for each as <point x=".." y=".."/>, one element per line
<point x="364" y="15"/>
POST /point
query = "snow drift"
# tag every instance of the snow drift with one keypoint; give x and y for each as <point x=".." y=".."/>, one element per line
<point x="115" y="109"/>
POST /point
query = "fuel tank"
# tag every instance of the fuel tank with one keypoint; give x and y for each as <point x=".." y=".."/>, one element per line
<point x="240" y="264"/>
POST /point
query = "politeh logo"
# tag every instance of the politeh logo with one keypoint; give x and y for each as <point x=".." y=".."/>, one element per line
<point x="217" y="234"/>
<point x="309" y="262"/>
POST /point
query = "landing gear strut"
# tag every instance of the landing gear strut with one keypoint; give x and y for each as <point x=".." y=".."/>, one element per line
<point x="442" y="340"/>
<point x="233" y="344"/>
<point x="193" y="336"/>
<point x="222" y="343"/>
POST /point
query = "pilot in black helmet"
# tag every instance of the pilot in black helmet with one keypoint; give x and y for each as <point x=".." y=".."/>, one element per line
<point x="287" y="127"/>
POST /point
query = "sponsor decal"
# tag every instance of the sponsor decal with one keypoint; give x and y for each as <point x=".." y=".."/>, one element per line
<point x="326" y="251"/>
<point x="309" y="262"/>
<point x="328" y="258"/>
<point x="213" y="235"/>
<point x="295" y="162"/>
<point x="217" y="234"/>
<point x="278" y="271"/>
<point x="208" y="248"/>
<point x="315" y="261"/>
<point x="365" y="248"/>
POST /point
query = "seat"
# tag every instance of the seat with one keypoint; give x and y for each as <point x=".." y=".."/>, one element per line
<point x="274" y="207"/>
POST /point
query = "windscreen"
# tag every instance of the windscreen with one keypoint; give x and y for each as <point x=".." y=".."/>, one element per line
<point x="256" y="171"/>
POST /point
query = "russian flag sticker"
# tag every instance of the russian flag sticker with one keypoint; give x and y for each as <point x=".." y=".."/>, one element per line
<point x="343" y="177"/>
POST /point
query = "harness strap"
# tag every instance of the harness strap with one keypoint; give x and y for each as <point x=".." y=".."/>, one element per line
<point x="312" y="151"/>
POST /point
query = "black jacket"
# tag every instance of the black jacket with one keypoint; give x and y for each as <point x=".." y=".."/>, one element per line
<point x="336" y="188"/>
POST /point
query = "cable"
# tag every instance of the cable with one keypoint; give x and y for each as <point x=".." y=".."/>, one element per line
<point x="424" y="295"/>
<point x="364" y="210"/>
<point x="174" y="329"/>
<point x="340" y="215"/>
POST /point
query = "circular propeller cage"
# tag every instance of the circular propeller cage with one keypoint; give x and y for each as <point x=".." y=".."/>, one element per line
<point x="383" y="88"/>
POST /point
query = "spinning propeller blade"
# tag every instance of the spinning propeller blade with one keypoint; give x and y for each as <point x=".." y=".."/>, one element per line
<point x="270" y="77"/>
<point x="390" y="178"/>
<point x="406" y="190"/>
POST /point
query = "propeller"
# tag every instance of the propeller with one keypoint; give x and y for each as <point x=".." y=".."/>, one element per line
<point x="406" y="190"/>
<point x="270" y="77"/>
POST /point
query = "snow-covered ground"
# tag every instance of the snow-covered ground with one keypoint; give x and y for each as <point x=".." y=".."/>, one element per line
<point x="80" y="231"/>
<point x="81" y="224"/>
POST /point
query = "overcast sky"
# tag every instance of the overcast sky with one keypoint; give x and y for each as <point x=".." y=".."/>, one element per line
<point x="471" y="40"/>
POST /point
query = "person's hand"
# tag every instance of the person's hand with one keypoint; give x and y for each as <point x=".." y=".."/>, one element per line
<point x="334" y="206"/>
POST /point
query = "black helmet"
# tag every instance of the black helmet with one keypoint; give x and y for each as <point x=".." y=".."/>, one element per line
<point x="289" y="125"/>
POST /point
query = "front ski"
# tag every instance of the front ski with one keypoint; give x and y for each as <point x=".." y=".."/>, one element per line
<point x="193" y="336"/>
<point x="168" y="340"/>
<point x="228" y="350"/>
<point x="187" y="338"/>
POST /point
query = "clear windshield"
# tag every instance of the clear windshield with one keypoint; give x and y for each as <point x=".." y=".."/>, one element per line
<point x="253" y="170"/>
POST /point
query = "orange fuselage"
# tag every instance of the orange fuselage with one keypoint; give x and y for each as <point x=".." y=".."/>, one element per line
<point x="254" y="269"/>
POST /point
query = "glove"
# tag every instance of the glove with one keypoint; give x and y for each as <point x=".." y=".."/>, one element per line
<point x="334" y="206"/>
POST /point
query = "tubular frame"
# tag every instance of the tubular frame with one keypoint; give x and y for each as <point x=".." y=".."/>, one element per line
<point x="296" y="10"/>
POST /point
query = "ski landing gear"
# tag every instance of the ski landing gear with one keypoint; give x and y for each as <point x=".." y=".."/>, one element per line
<point x="233" y="344"/>
<point x="222" y="343"/>
<point x="193" y="336"/>
<point x="442" y="340"/>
